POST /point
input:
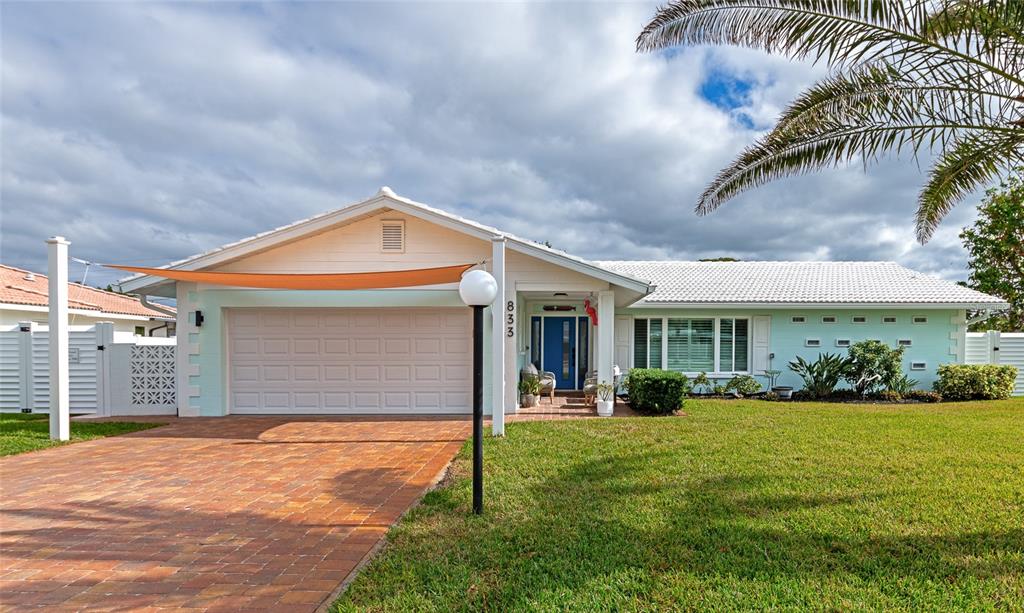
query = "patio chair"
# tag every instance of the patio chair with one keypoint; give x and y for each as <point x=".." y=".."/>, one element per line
<point x="546" y="378"/>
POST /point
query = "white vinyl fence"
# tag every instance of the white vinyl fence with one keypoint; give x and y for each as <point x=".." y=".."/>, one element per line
<point x="111" y="373"/>
<point x="994" y="347"/>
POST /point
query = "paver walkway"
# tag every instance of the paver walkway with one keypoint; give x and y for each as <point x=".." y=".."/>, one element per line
<point x="227" y="513"/>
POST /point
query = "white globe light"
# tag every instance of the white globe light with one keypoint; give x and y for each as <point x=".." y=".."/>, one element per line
<point x="478" y="288"/>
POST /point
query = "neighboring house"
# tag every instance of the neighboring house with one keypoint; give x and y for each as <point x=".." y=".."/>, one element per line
<point x="408" y="350"/>
<point x="24" y="296"/>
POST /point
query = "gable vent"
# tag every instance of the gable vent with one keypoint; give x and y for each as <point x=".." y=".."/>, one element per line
<point x="392" y="236"/>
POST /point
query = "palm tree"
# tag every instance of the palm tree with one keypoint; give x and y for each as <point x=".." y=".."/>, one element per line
<point x="906" y="76"/>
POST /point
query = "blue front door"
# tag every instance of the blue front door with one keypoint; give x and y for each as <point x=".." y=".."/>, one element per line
<point x="560" y="350"/>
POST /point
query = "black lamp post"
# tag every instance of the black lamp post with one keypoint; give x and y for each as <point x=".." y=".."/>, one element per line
<point x="478" y="289"/>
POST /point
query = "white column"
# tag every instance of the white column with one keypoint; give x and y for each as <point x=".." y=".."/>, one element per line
<point x="57" y="254"/>
<point x="499" y="336"/>
<point x="605" y="336"/>
<point x="184" y="347"/>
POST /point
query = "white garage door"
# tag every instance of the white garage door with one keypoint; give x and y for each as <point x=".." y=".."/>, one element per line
<point x="350" y="360"/>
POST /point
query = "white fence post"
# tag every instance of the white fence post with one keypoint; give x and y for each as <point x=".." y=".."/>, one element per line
<point x="60" y="397"/>
<point x="25" y="378"/>
<point x="993" y="346"/>
<point x="104" y="346"/>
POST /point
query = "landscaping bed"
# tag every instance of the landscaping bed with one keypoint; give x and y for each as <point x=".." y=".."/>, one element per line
<point x="742" y="505"/>
<point x="21" y="432"/>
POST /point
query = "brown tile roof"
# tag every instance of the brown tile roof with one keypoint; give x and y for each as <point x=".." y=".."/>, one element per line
<point x="19" y="286"/>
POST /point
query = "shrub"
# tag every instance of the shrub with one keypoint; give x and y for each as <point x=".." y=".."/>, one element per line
<point x="822" y="375"/>
<point x="901" y="385"/>
<point x="975" y="381"/>
<point x="874" y="365"/>
<point x="656" y="391"/>
<point x="744" y="385"/>
<point x="887" y="396"/>
<point x="702" y="382"/>
<point x="922" y="396"/>
<point x="771" y="397"/>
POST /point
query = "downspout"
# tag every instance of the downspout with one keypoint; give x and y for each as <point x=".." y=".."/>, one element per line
<point x="144" y="301"/>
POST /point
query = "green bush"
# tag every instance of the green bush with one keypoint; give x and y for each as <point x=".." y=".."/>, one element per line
<point x="822" y="375"/>
<point x="975" y="381"/>
<point x="653" y="390"/>
<point x="744" y="385"/>
<point x="901" y="385"/>
<point x="874" y="365"/>
<point x="923" y="396"/>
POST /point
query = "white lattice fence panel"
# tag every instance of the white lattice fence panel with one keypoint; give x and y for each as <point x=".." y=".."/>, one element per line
<point x="151" y="368"/>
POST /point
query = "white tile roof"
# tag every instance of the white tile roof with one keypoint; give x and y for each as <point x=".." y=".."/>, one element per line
<point x="796" y="283"/>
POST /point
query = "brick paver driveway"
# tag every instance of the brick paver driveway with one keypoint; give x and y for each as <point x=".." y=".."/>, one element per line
<point x="227" y="513"/>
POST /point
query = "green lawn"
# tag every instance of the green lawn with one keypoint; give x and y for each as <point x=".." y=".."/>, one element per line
<point x="21" y="432"/>
<point x="739" y="505"/>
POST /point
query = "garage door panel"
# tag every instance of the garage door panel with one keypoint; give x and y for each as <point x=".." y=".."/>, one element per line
<point x="276" y="346"/>
<point x="336" y="346"/>
<point x="349" y="360"/>
<point x="334" y="373"/>
<point x="367" y="347"/>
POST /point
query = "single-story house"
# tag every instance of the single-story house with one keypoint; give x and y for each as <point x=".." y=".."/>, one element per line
<point x="24" y="297"/>
<point x="408" y="350"/>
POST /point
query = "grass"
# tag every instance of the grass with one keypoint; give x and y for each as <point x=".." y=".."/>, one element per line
<point x="739" y="505"/>
<point x="21" y="432"/>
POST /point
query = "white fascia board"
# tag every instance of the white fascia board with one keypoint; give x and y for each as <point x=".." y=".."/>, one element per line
<point x="579" y="266"/>
<point x="818" y="305"/>
<point x="32" y="308"/>
<point x="137" y="284"/>
<point x="140" y="283"/>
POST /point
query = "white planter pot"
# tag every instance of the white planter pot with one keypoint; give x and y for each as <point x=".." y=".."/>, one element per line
<point x="605" y="408"/>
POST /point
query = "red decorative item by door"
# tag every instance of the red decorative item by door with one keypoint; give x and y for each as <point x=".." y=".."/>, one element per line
<point x="591" y="311"/>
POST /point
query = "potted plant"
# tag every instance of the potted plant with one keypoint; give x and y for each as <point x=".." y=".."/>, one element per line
<point x="783" y="391"/>
<point x="529" y="391"/>
<point x="605" y="399"/>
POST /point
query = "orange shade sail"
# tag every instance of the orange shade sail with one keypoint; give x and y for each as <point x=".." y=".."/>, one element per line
<point x="323" y="281"/>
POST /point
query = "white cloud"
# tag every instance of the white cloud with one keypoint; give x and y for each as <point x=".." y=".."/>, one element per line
<point x="149" y="132"/>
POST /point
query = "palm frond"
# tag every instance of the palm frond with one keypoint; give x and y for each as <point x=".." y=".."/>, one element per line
<point x="964" y="168"/>
<point x="944" y="76"/>
<point x="778" y="156"/>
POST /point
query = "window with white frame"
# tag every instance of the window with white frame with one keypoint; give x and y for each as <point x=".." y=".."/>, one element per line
<point x="828" y="319"/>
<point x="689" y="344"/>
<point x="647" y="343"/>
<point x="905" y="342"/>
<point x="888" y="320"/>
<point x="842" y="342"/>
<point x="918" y="365"/>
<point x="798" y="319"/>
<point x="920" y="319"/>
<point x="859" y="319"/>
<point x="733" y="344"/>
<point x="812" y="342"/>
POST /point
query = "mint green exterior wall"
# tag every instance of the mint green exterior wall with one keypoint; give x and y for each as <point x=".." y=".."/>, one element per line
<point x="934" y="343"/>
<point x="212" y="357"/>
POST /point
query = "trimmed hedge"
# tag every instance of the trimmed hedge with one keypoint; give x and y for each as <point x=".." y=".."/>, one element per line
<point x="652" y="390"/>
<point x="975" y="381"/>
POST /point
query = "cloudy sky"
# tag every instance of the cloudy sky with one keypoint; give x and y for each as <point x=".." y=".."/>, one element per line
<point x="146" y="133"/>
